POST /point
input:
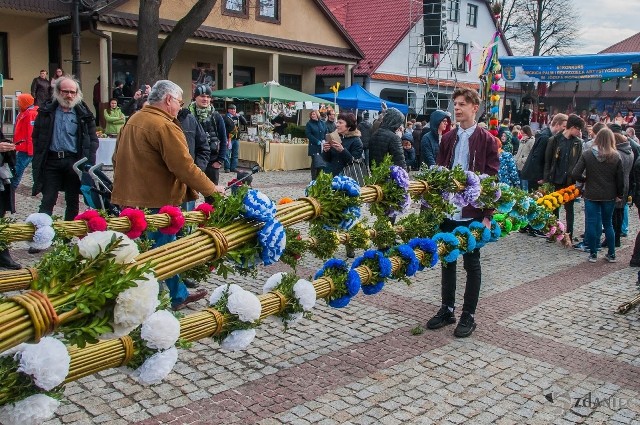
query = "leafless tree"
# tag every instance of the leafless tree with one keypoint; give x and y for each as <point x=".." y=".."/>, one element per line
<point x="155" y="58"/>
<point x="540" y="27"/>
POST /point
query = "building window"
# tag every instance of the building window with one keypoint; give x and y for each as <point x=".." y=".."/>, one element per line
<point x="243" y="76"/>
<point x="235" y="8"/>
<point x="453" y="7"/>
<point x="292" y="81"/>
<point x="460" y="57"/>
<point x="4" y="55"/>
<point x="268" y="10"/>
<point x="472" y="15"/>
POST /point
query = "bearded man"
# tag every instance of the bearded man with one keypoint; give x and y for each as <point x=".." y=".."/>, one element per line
<point x="64" y="132"/>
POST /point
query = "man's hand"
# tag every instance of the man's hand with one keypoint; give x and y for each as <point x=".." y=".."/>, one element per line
<point x="487" y="222"/>
<point x="137" y="95"/>
<point x="7" y="147"/>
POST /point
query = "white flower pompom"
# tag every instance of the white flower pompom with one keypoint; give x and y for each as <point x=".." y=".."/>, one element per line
<point x="217" y="293"/>
<point x="94" y="243"/>
<point x="157" y="367"/>
<point x="305" y="293"/>
<point x="246" y="305"/>
<point x="39" y="220"/>
<point x="32" y="410"/>
<point x="42" y="238"/>
<point x="161" y="330"/>
<point x="47" y="362"/>
<point x="135" y="305"/>
<point x="238" y="340"/>
<point x="272" y="282"/>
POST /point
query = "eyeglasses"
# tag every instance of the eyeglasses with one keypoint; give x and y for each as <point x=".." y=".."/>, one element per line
<point x="180" y="102"/>
<point x="69" y="92"/>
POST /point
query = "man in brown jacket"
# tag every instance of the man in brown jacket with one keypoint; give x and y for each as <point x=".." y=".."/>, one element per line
<point x="153" y="168"/>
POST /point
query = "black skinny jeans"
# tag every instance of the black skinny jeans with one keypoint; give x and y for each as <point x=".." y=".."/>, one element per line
<point x="58" y="175"/>
<point x="471" y="263"/>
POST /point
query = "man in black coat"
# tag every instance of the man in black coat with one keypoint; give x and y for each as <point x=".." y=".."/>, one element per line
<point x="63" y="133"/>
<point x="386" y="141"/>
<point x="533" y="169"/>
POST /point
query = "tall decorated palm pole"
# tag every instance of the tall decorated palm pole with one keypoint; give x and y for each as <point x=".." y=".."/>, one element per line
<point x="490" y="76"/>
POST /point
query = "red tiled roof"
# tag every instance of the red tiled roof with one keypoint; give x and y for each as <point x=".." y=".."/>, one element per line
<point x="628" y="45"/>
<point x="421" y="80"/>
<point x="216" y="34"/>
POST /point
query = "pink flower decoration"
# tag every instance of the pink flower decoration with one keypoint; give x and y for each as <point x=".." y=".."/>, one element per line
<point x="95" y="222"/>
<point x="495" y="87"/>
<point x="552" y="231"/>
<point x="206" y="209"/>
<point x="177" y="220"/>
<point x="561" y="226"/>
<point x="138" y="222"/>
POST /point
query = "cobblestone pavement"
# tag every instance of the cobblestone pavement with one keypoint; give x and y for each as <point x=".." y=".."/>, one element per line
<point x="548" y="349"/>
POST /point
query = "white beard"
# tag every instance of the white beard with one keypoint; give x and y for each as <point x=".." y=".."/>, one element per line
<point x="68" y="104"/>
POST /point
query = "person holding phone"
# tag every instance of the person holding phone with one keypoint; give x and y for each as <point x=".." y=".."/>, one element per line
<point x="342" y="148"/>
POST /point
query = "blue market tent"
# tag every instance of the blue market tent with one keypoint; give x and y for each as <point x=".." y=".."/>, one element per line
<point x="563" y="68"/>
<point x="355" y="97"/>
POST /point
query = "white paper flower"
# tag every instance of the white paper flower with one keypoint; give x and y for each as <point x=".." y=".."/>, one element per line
<point x="42" y="238"/>
<point x="47" y="362"/>
<point x="217" y="293"/>
<point x="161" y="330"/>
<point x="135" y="305"/>
<point x="39" y="219"/>
<point x="272" y="282"/>
<point x="32" y="410"/>
<point x="238" y="340"/>
<point x="157" y="367"/>
<point x="246" y="305"/>
<point x="305" y="293"/>
<point x="94" y="243"/>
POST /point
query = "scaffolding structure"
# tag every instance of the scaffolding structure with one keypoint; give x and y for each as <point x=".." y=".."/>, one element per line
<point x="433" y="55"/>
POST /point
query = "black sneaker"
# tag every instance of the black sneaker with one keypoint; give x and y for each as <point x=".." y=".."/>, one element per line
<point x="442" y="318"/>
<point x="190" y="283"/>
<point x="611" y="258"/>
<point x="466" y="326"/>
<point x="634" y="262"/>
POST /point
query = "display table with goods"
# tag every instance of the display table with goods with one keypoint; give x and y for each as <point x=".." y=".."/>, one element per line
<point x="273" y="154"/>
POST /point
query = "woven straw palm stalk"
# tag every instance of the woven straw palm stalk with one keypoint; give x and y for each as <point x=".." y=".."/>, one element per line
<point x="203" y="324"/>
<point x="28" y="318"/>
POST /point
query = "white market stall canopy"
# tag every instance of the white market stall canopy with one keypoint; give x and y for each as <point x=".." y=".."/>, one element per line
<point x="568" y="68"/>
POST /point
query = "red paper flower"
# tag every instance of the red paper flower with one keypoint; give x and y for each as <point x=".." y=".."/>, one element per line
<point x="138" y="222"/>
<point x="177" y="220"/>
<point x="95" y="222"/>
<point x="234" y="182"/>
<point x="205" y="209"/>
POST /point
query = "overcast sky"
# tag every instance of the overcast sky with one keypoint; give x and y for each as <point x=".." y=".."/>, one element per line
<point x="604" y="23"/>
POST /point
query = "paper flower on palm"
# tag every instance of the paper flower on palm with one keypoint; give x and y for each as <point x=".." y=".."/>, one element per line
<point x="32" y="410"/>
<point x="380" y="267"/>
<point x="346" y="282"/>
<point x="352" y="215"/>
<point x="258" y="206"/>
<point x="448" y="246"/>
<point x="346" y="184"/>
<point x="273" y="240"/>
<point x="411" y="262"/>
<point x="429" y="247"/>
<point x="481" y="233"/>
<point x="95" y="243"/>
<point x="496" y="231"/>
<point x="44" y="233"/>
<point x="467" y="242"/>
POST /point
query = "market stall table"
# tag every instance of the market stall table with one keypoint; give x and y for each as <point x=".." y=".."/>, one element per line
<point x="106" y="147"/>
<point x="281" y="156"/>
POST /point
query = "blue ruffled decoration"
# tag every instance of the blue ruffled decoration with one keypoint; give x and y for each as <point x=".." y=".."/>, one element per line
<point x="258" y="206"/>
<point x="346" y="184"/>
<point x="352" y="282"/>
<point x="384" y="269"/>
<point x="505" y="207"/>
<point x="426" y="245"/>
<point x="496" y="231"/>
<point x="537" y="226"/>
<point x="471" y="240"/>
<point x="273" y="240"/>
<point x="407" y="254"/>
<point x="451" y="243"/>
<point x="352" y="215"/>
<point x="485" y="236"/>
<point x="508" y="173"/>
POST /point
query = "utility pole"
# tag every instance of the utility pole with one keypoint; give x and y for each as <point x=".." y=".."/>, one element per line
<point x="75" y="39"/>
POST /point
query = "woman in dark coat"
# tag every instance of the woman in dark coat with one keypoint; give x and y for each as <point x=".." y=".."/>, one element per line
<point x="340" y="153"/>
<point x="315" y="131"/>
<point x="385" y="140"/>
<point x="7" y="200"/>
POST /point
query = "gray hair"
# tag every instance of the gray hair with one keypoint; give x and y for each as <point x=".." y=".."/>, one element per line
<point x="56" y="87"/>
<point x="161" y="89"/>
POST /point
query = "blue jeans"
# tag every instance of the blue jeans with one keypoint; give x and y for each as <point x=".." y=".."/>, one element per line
<point x="625" y="220"/>
<point x="22" y="162"/>
<point x="177" y="291"/>
<point x="231" y="158"/>
<point x="598" y="215"/>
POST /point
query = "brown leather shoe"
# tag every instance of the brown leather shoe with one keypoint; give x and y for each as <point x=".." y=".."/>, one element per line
<point x="194" y="296"/>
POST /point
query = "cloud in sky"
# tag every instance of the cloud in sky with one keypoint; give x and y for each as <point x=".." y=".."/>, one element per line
<point x="603" y="24"/>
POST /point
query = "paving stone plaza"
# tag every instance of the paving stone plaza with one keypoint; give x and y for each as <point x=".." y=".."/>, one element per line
<point x="548" y="349"/>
